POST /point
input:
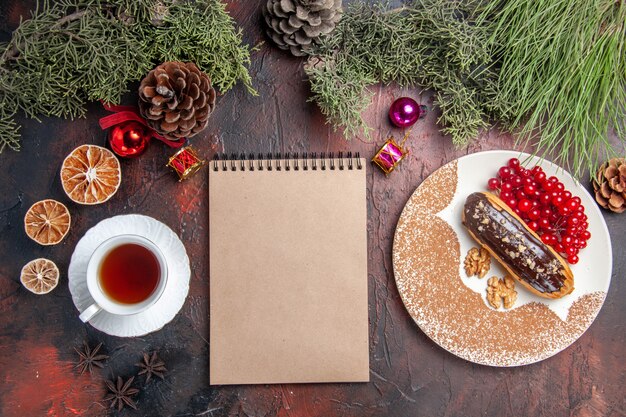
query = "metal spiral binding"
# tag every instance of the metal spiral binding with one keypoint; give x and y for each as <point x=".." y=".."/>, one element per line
<point x="291" y="160"/>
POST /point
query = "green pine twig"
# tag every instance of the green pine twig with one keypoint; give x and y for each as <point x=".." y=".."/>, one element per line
<point x="75" y="51"/>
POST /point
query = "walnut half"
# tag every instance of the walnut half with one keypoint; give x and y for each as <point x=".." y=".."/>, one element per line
<point x="501" y="291"/>
<point x="477" y="262"/>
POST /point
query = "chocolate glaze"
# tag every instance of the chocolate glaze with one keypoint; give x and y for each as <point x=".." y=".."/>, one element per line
<point x="508" y="238"/>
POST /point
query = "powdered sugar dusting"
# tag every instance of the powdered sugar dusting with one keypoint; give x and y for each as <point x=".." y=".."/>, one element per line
<point x="426" y="258"/>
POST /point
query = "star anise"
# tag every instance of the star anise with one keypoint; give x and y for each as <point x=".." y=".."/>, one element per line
<point x="151" y="365"/>
<point x="88" y="358"/>
<point x="121" y="393"/>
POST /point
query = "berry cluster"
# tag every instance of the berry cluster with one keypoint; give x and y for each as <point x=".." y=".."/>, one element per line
<point x="545" y="205"/>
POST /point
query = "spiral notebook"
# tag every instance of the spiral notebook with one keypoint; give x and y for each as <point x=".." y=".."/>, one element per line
<point x="288" y="270"/>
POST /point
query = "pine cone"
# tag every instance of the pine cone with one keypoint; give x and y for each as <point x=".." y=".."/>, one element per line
<point x="296" y="24"/>
<point x="610" y="185"/>
<point x="176" y="99"/>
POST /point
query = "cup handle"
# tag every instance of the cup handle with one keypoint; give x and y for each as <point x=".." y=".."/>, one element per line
<point x="90" y="312"/>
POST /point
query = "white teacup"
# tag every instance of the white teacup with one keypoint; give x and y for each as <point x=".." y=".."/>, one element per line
<point x="101" y="300"/>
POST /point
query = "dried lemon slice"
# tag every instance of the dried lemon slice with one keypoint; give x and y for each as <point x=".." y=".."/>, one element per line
<point x="90" y="174"/>
<point x="40" y="276"/>
<point x="47" y="222"/>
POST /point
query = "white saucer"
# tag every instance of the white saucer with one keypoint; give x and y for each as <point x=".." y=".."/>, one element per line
<point x="172" y="300"/>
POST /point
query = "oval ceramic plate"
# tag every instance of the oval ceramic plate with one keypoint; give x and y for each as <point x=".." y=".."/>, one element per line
<point x="430" y="245"/>
<point x="173" y="298"/>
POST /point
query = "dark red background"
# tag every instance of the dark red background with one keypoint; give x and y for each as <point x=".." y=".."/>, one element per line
<point x="410" y="375"/>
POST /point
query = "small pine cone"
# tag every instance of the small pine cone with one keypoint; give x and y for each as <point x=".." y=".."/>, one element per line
<point x="176" y="99"/>
<point x="295" y="25"/>
<point x="609" y="185"/>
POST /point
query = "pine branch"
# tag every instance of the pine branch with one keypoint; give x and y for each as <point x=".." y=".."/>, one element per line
<point x="429" y="43"/>
<point x="75" y="51"/>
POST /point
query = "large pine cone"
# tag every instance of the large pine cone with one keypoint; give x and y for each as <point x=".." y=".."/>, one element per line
<point x="176" y="99"/>
<point x="610" y="185"/>
<point x="296" y="24"/>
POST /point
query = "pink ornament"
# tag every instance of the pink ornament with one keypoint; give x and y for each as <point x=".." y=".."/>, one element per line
<point x="389" y="155"/>
<point x="405" y="111"/>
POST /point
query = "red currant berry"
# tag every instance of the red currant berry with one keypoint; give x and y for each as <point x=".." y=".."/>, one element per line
<point x="572" y="259"/>
<point x="493" y="183"/>
<point x="545" y="224"/>
<point x="517" y="182"/>
<point x="567" y="240"/>
<point x="530" y="189"/>
<point x="584" y="225"/>
<point x="564" y="210"/>
<point x="506" y="195"/>
<point x="507" y="186"/>
<point x="567" y="195"/>
<point x="546" y="213"/>
<point x="573" y="221"/>
<point x="558" y="201"/>
<point x="585" y="234"/>
<point x="577" y="199"/>
<point x="533" y="225"/>
<point x="545" y="199"/>
<point x="511" y="202"/>
<point x="582" y="244"/>
<point x="573" y="205"/>
<point x="520" y="194"/>
<point x="559" y="247"/>
<point x="513" y="163"/>
<point x="553" y="180"/>
<point x="540" y="176"/>
<point x="549" y="239"/>
<point x="560" y="186"/>
<point x="524" y="205"/>
<point x="570" y="251"/>
<point x="572" y="230"/>
<point x="547" y="185"/>
<point x="534" y="214"/>
<point x="504" y="173"/>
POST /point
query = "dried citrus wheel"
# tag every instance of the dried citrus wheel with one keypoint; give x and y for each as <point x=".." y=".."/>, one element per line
<point x="47" y="222"/>
<point x="90" y="174"/>
<point x="40" y="276"/>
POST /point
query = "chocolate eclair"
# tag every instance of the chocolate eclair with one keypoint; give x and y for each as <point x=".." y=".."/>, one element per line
<point x="520" y="250"/>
